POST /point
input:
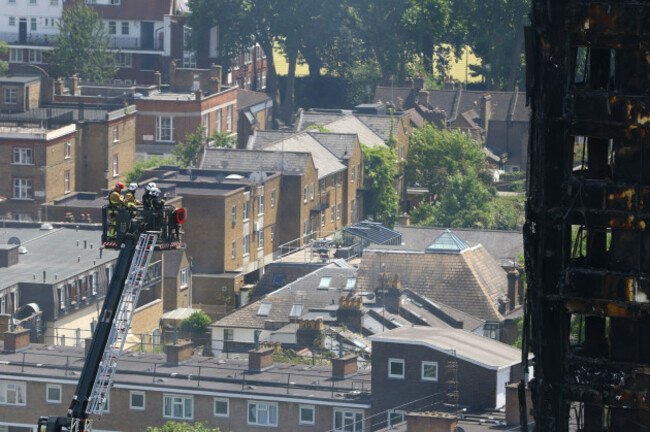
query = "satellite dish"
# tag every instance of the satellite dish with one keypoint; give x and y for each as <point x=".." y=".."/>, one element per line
<point x="282" y="165"/>
<point x="255" y="177"/>
<point x="14" y="241"/>
<point x="219" y="177"/>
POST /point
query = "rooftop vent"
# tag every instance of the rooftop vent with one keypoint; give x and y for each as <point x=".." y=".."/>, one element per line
<point x="46" y="227"/>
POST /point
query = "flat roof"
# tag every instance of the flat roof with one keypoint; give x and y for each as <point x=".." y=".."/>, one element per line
<point x="59" y="252"/>
<point x="470" y="347"/>
<point x="208" y="376"/>
<point x="19" y="79"/>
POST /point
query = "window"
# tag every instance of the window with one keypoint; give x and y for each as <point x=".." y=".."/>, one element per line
<point x="218" y="120"/>
<point x="115" y="2"/>
<point x="116" y="170"/>
<point x="260" y="239"/>
<point x="311" y="191"/>
<point x="93" y="283"/>
<point x="35" y="56"/>
<point x="233" y="252"/>
<point x="11" y="96"/>
<point x="322" y="219"/>
<point x="351" y="283"/>
<point x="352" y="211"/>
<point x="164" y="129"/>
<point x="491" y="330"/>
<point x="262" y="414"/>
<point x="66" y="182"/>
<point x="324" y="282"/>
<point x="260" y="204"/>
<point x="112" y="27"/>
<point x="323" y="185"/>
<point x="189" y="59"/>
<point x="228" y="334"/>
<point x="12" y="21"/>
<point x="53" y="393"/>
<point x="16" y="55"/>
<point x="22" y="188"/>
<point x="125" y="60"/>
<point x="221" y="407"/>
<point x="247" y="208"/>
<point x="206" y="125"/>
<point x="68" y="149"/>
<point x="304" y="227"/>
<point x="429" y="371"/>
<point x="125" y="28"/>
<point x="247" y="241"/>
<point x="333" y="211"/>
<point x="178" y="407"/>
<point x="348" y="421"/>
<point x="229" y="118"/>
<point x="338" y="178"/>
<point x="358" y="173"/>
<point x="338" y="211"/>
<point x="234" y="214"/>
<point x="184" y="277"/>
<point x="22" y="156"/>
<point x="32" y="24"/>
<point x="395" y="417"/>
<point x="395" y="368"/>
<point x="305" y="192"/>
<point x="272" y="233"/>
<point x="273" y="198"/>
<point x="306" y="416"/>
<point x="12" y="393"/>
<point x="116" y="133"/>
<point x="136" y="401"/>
<point x="352" y="176"/>
<point x="264" y="309"/>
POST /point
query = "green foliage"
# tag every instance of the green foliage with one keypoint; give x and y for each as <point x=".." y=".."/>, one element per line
<point x="187" y="152"/>
<point x="139" y="168"/>
<point x="198" y="322"/>
<point x="223" y="139"/>
<point x="4" y="66"/>
<point x="82" y="46"/>
<point x="507" y="212"/>
<point x="380" y="172"/>
<point x="361" y="79"/>
<point x="173" y="426"/>
<point x="512" y="176"/>
<point x="436" y="154"/>
<point x="319" y="128"/>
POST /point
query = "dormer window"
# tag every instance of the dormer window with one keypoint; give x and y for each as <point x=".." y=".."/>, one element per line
<point x="324" y="282"/>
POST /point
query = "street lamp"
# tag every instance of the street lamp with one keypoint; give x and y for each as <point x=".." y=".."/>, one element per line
<point x="488" y="68"/>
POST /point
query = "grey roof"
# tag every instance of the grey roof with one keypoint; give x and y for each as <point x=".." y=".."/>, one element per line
<point x="340" y="144"/>
<point x="437" y="314"/>
<point x="470" y="347"/>
<point x="374" y="232"/>
<point x="345" y="123"/>
<point x="62" y="113"/>
<point x="472" y="282"/>
<point x="304" y="291"/>
<point x="59" y="252"/>
<point x="262" y="138"/>
<point x="317" y="118"/>
<point x="380" y="124"/>
<point x="248" y="98"/>
<point x="19" y="79"/>
<point x="227" y="377"/>
<point x="324" y="160"/>
<point x="255" y="160"/>
<point x="400" y="97"/>
<point x="82" y="200"/>
<point x="504" y="246"/>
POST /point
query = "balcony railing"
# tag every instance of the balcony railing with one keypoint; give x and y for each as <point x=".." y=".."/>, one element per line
<point x="35" y="39"/>
<point x="136" y="43"/>
<point x="322" y="203"/>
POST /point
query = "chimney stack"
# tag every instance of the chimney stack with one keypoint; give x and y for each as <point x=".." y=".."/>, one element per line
<point x="215" y="79"/>
<point x="74" y="85"/>
<point x="16" y="340"/>
<point x="58" y="87"/>
<point x="179" y="352"/>
<point x="418" y="83"/>
<point x="198" y="95"/>
<point x="172" y="74"/>
<point x="345" y="366"/>
<point x="405" y="219"/>
<point x="260" y="360"/>
<point x="423" y="98"/>
<point x="430" y="421"/>
<point x="486" y="111"/>
<point x="157" y="79"/>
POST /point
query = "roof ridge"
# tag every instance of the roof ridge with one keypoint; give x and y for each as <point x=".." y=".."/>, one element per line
<point x="479" y="281"/>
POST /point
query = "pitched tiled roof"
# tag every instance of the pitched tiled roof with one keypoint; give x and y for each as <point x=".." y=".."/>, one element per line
<point x="400" y="97"/>
<point x="304" y="291"/>
<point x="374" y="232"/>
<point x="262" y="138"/>
<point x="351" y="124"/>
<point x="318" y="118"/>
<point x="437" y="314"/>
<point x="248" y="98"/>
<point x="341" y="145"/>
<point x="324" y="161"/>
<point x="472" y="281"/>
<point x="380" y="124"/>
<point x="251" y="160"/>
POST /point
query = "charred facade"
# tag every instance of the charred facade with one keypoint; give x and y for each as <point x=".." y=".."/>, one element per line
<point x="587" y="235"/>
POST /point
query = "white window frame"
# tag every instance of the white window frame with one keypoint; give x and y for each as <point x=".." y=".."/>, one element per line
<point x="357" y="425"/>
<point x="260" y="239"/>
<point x="23" y="187"/>
<point x="116" y="165"/>
<point x="23" y="156"/>
<point x="273" y="198"/>
<point x="246" y="243"/>
<point x="234" y="214"/>
<point x="11" y="96"/>
<point x="272" y="233"/>
<point x="116" y="133"/>
<point x="246" y="210"/>
<point x="165" y="131"/>
<point x="49" y="387"/>
<point x="136" y="407"/>
<point x="66" y="182"/>
<point x="429" y="363"/>
<point x="229" y="118"/>
<point x="325" y="282"/>
<point x="32" y="24"/>
<point x="12" y="21"/>
<point x="312" y="191"/>
<point x="112" y="27"/>
<point x="68" y="149"/>
<point x="15" y="55"/>
<point x="311" y="408"/>
<point x="214" y="407"/>
<point x="184" y="279"/>
<point x="305" y="191"/>
<point x="178" y="399"/>
<point x="15" y="391"/>
<point x="125" y="26"/>
<point x="260" y="205"/>
<point x="352" y="175"/>
<point x="396" y="361"/>
<point x="395" y="413"/>
<point x="233" y="252"/>
<point x="217" y="120"/>
<point x="35" y="56"/>
<point x="259" y="407"/>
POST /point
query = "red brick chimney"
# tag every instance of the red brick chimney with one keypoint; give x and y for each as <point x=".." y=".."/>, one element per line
<point x="260" y="360"/>
<point x="430" y="421"/>
<point x="179" y="352"/>
<point x="343" y="367"/>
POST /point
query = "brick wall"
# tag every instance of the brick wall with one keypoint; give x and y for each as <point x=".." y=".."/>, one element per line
<point x="147" y="318"/>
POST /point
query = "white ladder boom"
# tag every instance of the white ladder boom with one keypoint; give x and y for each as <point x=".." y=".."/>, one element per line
<point x="122" y="323"/>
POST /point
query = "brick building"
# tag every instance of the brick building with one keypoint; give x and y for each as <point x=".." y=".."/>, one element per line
<point x="150" y="389"/>
<point x="420" y="369"/>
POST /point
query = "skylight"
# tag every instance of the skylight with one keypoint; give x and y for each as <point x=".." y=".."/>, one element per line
<point x="296" y="310"/>
<point x="447" y="242"/>
<point x="325" y="282"/>
<point x="351" y="283"/>
<point x="265" y="308"/>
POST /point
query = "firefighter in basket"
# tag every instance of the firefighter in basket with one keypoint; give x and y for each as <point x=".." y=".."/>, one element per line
<point x="115" y="202"/>
<point x="129" y="198"/>
<point x="148" y="195"/>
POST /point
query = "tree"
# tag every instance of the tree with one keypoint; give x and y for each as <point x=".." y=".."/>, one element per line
<point x="380" y="173"/>
<point x="436" y="154"/>
<point x="4" y="66"/>
<point x="139" y="168"/>
<point x="172" y="426"/>
<point x="82" y="46"/>
<point x="223" y="139"/>
<point x="196" y="323"/>
<point x="187" y="152"/>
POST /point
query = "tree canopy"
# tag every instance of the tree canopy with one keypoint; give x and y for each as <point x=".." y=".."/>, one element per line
<point x="173" y="426"/>
<point x="197" y="322"/>
<point x="187" y="152"/>
<point x="379" y="174"/>
<point x="82" y="46"/>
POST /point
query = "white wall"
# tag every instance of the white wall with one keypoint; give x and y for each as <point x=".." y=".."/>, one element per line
<point x="503" y="378"/>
